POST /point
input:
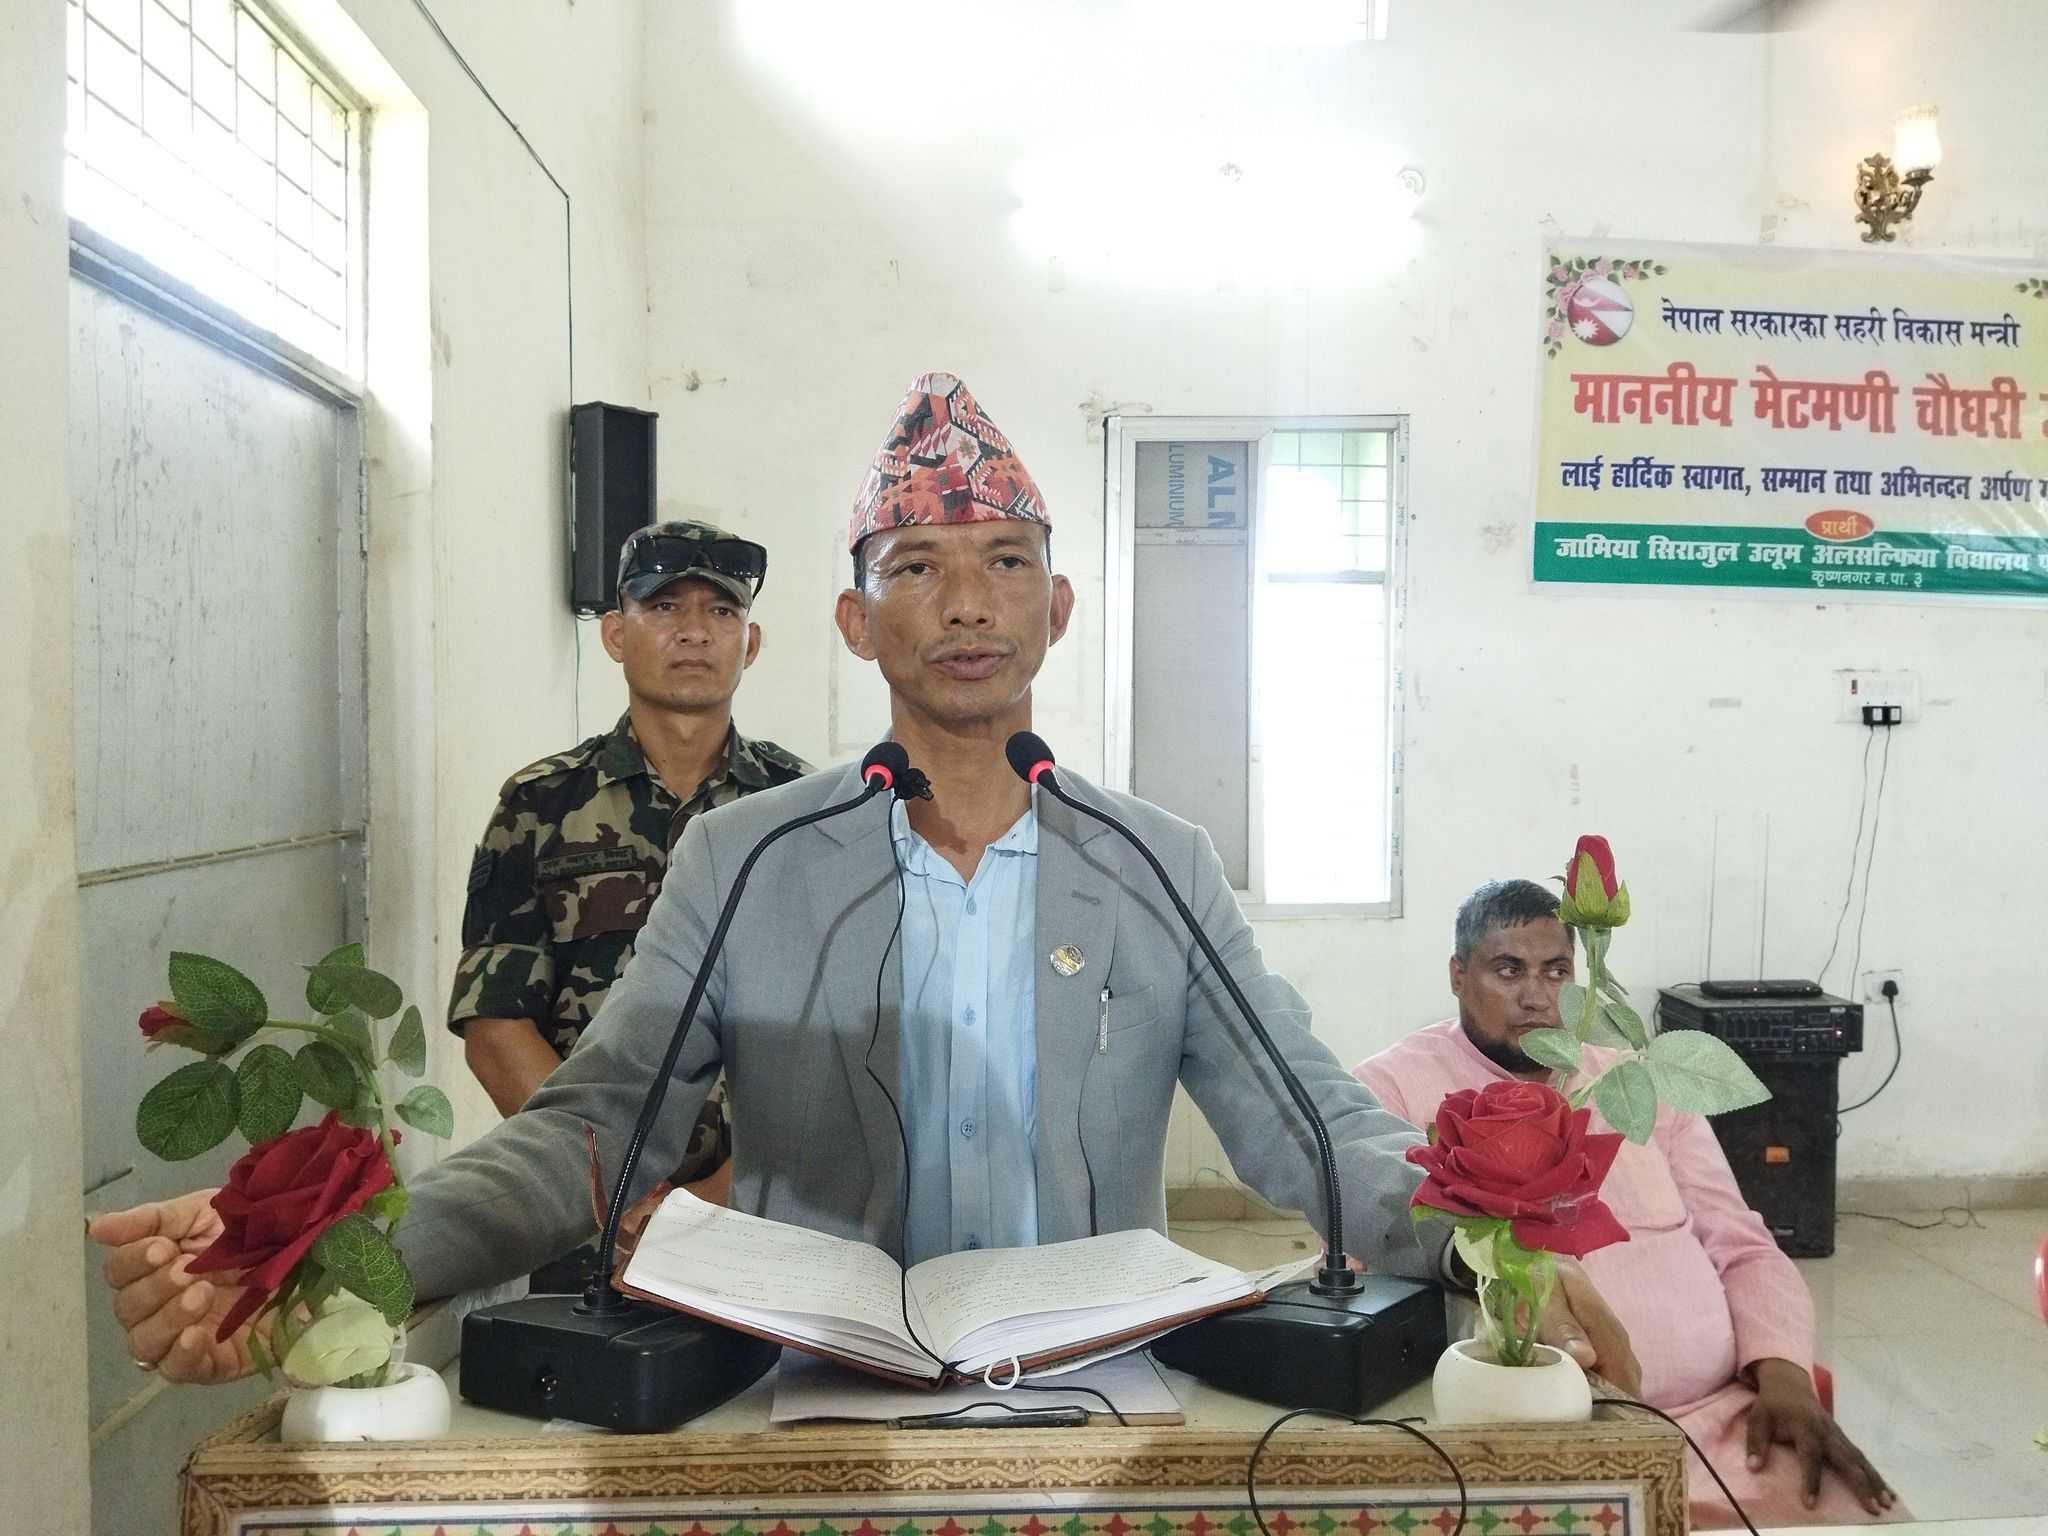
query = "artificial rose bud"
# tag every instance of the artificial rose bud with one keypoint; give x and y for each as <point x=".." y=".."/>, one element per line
<point x="1595" y="848"/>
<point x="1593" y="898"/>
<point x="162" y="1024"/>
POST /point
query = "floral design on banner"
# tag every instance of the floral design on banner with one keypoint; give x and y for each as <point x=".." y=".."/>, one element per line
<point x="1584" y="298"/>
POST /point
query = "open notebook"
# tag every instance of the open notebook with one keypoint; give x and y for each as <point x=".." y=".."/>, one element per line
<point x="952" y="1317"/>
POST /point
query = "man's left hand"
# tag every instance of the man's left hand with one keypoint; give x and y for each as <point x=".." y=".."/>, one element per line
<point x="1787" y="1412"/>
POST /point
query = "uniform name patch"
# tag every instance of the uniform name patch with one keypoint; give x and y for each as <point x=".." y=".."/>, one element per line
<point x="592" y="861"/>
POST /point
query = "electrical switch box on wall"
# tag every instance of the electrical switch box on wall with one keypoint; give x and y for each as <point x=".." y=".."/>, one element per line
<point x="1857" y="691"/>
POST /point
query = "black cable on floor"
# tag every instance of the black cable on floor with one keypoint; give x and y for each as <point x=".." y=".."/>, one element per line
<point x="1969" y="1219"/>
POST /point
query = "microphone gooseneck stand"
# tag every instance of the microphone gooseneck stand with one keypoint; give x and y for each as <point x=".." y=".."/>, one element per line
<point x="1341" y="1342"/>
<point x="601" y="1357"/>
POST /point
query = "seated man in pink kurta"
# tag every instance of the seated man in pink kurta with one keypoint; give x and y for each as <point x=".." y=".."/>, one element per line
<point x="1721" y="1322"/>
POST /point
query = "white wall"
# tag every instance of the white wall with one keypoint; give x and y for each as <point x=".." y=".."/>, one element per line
<point x="829" y="211"/>
<point x="473" y="651"/>
<point x="42" y="1326"/>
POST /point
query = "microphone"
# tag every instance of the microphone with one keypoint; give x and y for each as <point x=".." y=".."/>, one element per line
<point x="1032" y="761"/>
<point x="603" y="1358"/>
<point x="1341" y="1341"/>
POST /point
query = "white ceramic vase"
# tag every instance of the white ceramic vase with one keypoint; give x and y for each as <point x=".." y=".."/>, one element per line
<point x="414" y="1407"/>
<point x="1470" y="1388"/>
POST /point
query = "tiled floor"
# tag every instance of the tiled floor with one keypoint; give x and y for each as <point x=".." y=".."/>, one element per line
<point x="1939" y="1355"/>
<point x="1941" y="1358"/>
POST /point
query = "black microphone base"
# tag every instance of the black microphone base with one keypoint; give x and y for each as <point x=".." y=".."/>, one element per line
<point x="1340" y="1354"/>
<point x="641" y="1369"/>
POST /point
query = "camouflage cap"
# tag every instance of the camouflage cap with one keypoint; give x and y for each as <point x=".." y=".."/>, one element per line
<point x="662" y="553"/>
<point x="943" y="461"/>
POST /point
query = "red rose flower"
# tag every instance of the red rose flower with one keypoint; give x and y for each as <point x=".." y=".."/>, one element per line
<point x="1517" y="1151"/>
<point x="1596" y="849"/>
<point x="156" y="1018"/>
<point x="280" y="1196"/>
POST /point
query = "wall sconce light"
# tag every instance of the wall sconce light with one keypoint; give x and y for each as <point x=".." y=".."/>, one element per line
<point x="1888" y="190"/>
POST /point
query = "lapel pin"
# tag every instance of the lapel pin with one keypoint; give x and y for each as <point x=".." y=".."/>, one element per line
<point x="1068" y="960"/>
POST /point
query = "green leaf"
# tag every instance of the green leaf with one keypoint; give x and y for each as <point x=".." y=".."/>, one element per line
<point x="344" y="1341"/>
<point x="259" y="1354"/>
<point x="1553" y="1047"/>
<point x="216" y="997"/>
<point x="325" y="1074"/>
<point x="1612" y="987"/>
<point x="363" y="1113"/>
<point x="388" y="1206"/>
<point x="1699" y="1074"/>
<point x="268" y="1083"/>
<point x="1627" y="1022"/>
<point x="353" y="1025"/>
<point x="363" y="1260"/>
<point x="409" y="1044"/>
<point x="354" y="986"/>
<point x="190" y="1112"/>
<point x="427" y="1109"/>
<point x="1628" y="1098"/>
<point x="1479" y="1241"/>
<point x="318" y="1286"/>
<point x="1571" y="1004"/>
<point x="321" y="995"/>
<point x="1596" y="1030"/>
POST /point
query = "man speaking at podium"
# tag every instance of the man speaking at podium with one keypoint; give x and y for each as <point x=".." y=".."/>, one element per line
<point x="1005" y="975"/>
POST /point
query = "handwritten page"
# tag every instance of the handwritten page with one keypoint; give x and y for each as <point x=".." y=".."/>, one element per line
<point x="783" y="1280"/>
<point x="1001" y="1301"/>
<point x="1059" y="1302"/>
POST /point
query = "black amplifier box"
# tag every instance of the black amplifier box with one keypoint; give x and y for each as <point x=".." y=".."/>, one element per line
<point x="1819" y="1025"/>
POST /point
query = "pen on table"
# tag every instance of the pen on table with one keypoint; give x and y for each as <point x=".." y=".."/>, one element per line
<point x="1043" y="1418"/>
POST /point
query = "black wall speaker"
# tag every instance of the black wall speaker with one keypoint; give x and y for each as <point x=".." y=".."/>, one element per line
<point x="611" y="493"/>
<point x="1783" y="1151"/>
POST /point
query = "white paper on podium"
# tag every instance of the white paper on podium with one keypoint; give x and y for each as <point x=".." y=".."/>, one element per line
<point x="809" y="1388"/>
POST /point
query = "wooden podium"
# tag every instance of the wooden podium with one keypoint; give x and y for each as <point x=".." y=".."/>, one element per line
<point x="730" y="1474"/>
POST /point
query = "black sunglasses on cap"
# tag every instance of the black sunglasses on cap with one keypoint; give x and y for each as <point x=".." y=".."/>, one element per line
<point x="672" y="555"/>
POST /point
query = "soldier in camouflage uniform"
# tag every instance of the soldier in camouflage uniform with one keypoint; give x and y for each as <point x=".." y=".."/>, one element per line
<point x="576" y="849"/>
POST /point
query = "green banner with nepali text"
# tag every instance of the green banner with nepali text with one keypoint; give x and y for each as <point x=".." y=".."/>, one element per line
<point x="1815" y="421"/>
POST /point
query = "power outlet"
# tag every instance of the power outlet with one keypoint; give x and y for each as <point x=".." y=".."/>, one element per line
<point x="1873" y="984"/>
<point x="1857" y="691"/>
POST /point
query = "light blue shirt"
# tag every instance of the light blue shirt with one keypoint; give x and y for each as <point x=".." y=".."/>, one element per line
<point x="969" y="1082"/>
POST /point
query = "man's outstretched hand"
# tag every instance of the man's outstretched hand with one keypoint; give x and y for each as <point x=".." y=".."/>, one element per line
<point x="170" y="1314"/>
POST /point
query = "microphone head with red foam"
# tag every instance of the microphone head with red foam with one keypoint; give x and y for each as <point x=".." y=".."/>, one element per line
<point x="885" y="763"/>
<point x="1029" y="756"/>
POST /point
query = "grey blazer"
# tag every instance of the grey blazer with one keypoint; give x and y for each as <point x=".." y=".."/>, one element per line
<point x="791" y="1008"/>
